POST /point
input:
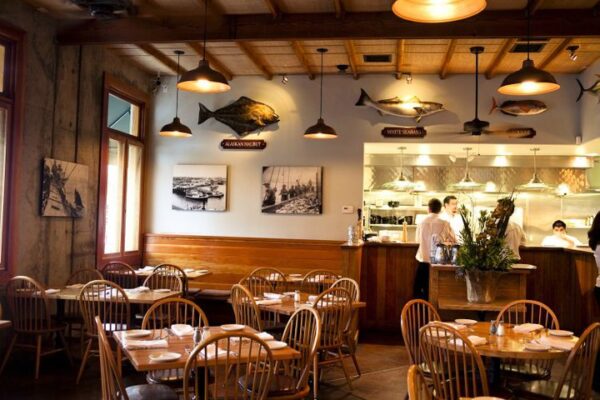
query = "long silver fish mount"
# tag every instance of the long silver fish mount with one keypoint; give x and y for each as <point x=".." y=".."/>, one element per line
<point x="518" y="108"/>
<point x="594" y="89"/>
<point x="411" y="108"/>
<point x="243" y="115"/>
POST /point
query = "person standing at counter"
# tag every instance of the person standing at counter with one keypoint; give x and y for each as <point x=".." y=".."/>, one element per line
<point x="451" y="215"/>
<point x="594" y="242"/>
<point x="515" y="237"/>
<point x="559" y="237"/>
<point x="429" y="228"/>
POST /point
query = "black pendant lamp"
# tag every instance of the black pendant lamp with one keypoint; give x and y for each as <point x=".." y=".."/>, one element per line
<point x="204" y="79"/>
<point x="529" y="80"/>
<point x="321" y="130"/>
<point x="176" y="128"/>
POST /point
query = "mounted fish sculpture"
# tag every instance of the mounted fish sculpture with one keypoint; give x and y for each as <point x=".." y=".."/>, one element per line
<point x="243" y="116"/>
<point x="411" y="108"/>
<point x="517" y="108"/>
<point x="594" y="89"/>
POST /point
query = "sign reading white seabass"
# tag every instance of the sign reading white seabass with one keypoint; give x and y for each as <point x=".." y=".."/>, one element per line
<point x="404" y="132"/>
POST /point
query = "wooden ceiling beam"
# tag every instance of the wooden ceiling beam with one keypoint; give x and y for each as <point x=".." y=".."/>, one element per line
<point x="534" y="6"/>
<point x="273" y="8"/>
<point x="560" y="48"/>
<point x="351" y="52"/>
<point x="216" y="64"/>
<point x="399" y="58"/>
<point x="364" y="25"/>
<point x="499" y="57"/>
<point x="161" y="57"/>
<point x="249" y="52"/>
<point x="448" y="59"/>
<point x="299" y="51"/>
<point x="339" y="8"/>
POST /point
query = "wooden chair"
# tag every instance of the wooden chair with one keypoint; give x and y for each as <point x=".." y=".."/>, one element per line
<point x="316" y="281"/>
<point x="162" y="280"/>
<point x="576" y="380"/>
<point x="257" y="285"/>
<point x="418" y="389"/>
<point x="174" y="270"/>
<point x="244" y="307"/>
<point x="455" y="365"/>
<point x="120" y="273"/>
<point x="108" y="301"/>
<point x="110" y="377"/>
<point x="351" y="335"/>
<point x="244" y="369"/>
<point x="302" y="333"/>
<point x="31" y="318"/>
<point x="334" y="307"/>
<point x="274" y="276"/>
<point x="415" y="315"/>
<point x="528" y="311"/>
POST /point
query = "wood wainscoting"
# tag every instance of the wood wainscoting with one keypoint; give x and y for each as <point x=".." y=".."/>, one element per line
<point x="231" y="258"/>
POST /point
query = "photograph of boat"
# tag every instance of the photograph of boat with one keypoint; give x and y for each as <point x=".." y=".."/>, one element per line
<point x="292" y="190"/>
<point x="64" y="189"/>
<point x="199" y="188"/>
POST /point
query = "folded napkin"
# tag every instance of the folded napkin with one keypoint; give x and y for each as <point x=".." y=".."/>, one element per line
<point x="47" y="291"/>
<point x="455" y="325"/>
<point x="210" y="350"/>
<point x="139" y="289"/>
<point x="527" y="328"/>
<point x="75" y="286"/>
<point x="182" y="329"/>
<point x="557" y="343"/>
<point x="474" y="339"/>
<point x="268" y="302"/>
<point x="145" y="344"/>
<point x="272" y="296"/>
<point x="148" y="268"/>
<point x="266" y="336"/>
<point x="189" y="270"/>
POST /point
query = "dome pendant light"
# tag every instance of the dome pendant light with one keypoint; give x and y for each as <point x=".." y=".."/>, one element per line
<point x="176" y="128"/>
<point x="203" y="79"/>
<point x="467" y="183"/>
<point x="321" y="130"/>
<point x="402" y="184"/>
<point x="529" y="80"/>
<point x="436" y="11"/>
<point x="535" y="184"/>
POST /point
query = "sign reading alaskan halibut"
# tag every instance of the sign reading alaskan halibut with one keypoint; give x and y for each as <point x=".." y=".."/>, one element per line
<point x="404" y="132"/>
<point x="518" y="108"/>
<point x="594" y="89"/>
<point x="410" y="108"/>
<point x="238" y="144"/>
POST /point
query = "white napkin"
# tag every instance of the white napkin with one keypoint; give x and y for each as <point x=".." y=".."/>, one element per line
<point x="268" y="302"/>
<point x="75" y="286"/>
<point x="272" y="296"/>
<point x="210" y="349"/>
<point x="139" y="289"/>
<point x="474" y="339"/>
<point x="189" y="270"/>
<point x="560" y="344"/>
<point x="455" y="325"/>
<point x="50" y="291"/>
<point x="182" y="329"/>
<point x="148" y="268"/>
<point x="145" y="344"/>
<point x="527" y="328"/>
<point x="266" y="336"/>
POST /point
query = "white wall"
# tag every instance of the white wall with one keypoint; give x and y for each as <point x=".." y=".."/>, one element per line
<point x="590" y="105"/>
<point x="342" y="159"/>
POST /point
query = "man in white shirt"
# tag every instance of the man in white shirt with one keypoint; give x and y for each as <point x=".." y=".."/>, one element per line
<point x="429" y="227"/>
<point x="515" y="237"/>
<point x="451" y="215"/>
<point x="559" y="237"/>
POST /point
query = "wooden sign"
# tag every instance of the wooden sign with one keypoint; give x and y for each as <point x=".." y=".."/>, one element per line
<point x="238" y="144"/>
<point x="404" y="132"/>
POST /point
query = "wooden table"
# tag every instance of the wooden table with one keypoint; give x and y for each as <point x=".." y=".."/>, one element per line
<point x="141" y="361"/>
<point x="149" y="297"/>
<point x="144" y="273"/>
<point x="288" y="306"/>
<point x="4" y="324"/>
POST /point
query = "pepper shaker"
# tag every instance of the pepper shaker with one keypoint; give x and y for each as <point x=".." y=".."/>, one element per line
<point x="197" y="336"/>
<point x="493" y="328"/>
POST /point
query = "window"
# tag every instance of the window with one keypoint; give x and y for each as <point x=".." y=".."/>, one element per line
<point x="121" y="174"/>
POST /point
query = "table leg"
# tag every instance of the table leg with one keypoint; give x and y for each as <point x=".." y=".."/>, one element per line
<point x="119" y="361"/>
<point x="494" y="377"/>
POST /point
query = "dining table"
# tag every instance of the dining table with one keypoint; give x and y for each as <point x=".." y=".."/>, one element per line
<point x="190" y="273"/>
<point x="183" y="345"/>
<point x="5" y="324"/>
<point x="135" y="297"/>
<point x="288" y="306"/>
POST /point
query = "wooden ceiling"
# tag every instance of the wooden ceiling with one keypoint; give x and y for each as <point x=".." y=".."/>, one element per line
<point x="275" y="37"/>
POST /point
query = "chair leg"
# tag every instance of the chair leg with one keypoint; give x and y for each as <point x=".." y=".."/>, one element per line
<point x="84" y="359"/>
<point x="38" y="355"/>
<point x="315" y="375"/>
<point x="341" y="358"/>
<point x="61" y="336"/>
<point x="8" y="352"/>
<point x="355" y="361"/>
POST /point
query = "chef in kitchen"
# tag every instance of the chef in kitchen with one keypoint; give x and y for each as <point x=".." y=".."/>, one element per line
<point x="452" y="216"/>
<point x="559" y="237"/>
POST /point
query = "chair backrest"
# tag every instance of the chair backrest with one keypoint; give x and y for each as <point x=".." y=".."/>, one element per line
<point x="417" y="385"/>
<point x="106" y="300"/>
<point x="350" y="285"/>
<point x="334" y="307"/>
<point x="162" y="280"/>
<point x="242" y="369"/>
<point x="110" y="379"/>
<point x="120" y="273"/>
<point x="167" y="312"/>
<point x="171" y="269"/>
<point x="28" y="305"/>
<point x="302" y="333"/>
<point x="244" y="307"/>
<point x="576" y="380"/>
<point x="274" y="276"/>
<point x="415" y="315"/>
<point x="84" y="275"/>
<point x="454" y="363"/>
<point x="318" y="280"/>
<point x="257" y="285"/>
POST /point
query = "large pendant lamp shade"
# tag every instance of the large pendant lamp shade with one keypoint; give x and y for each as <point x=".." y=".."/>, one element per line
<point x="176" y="128"/>
<point x="535" y="184"/>
<point x="321" y="130"/>
<point x="466" y="183"/>
<point x="529" y="80"/>
<point x="203" y="79"/>
<point x="437" y="11"/>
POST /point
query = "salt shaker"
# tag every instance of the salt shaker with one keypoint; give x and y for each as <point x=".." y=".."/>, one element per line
<point x="493" y="328"/>
<point x="297" y="296"/>
<point x="500" y="329"/>
<point x="197" y="336"/>
<point x="205" y="333"/>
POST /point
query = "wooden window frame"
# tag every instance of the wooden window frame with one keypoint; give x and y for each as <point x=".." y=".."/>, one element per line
<point x="139" y="98"/>
<point x="11" y="99"/>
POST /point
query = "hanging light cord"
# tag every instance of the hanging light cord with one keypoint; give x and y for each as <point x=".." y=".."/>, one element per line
<point x="177" y="88"/>
<point x="205" y="25"/>
<point x="476" y="85"/>
<point x="528" y="30"/>
<point x="467" y="163"/>
<point x="321" y="106"/>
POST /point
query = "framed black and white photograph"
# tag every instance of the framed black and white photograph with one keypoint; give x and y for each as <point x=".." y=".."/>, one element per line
<point x="64" y="189"/>
<point x="199" y="188"/>
<point x="292" y="190"/>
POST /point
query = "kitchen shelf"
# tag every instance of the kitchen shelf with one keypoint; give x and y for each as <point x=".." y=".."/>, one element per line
<point x="399" y="208"/>
<point x="391" y="225"/>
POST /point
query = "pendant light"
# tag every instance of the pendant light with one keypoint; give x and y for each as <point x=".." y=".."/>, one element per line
<point x="466" y="183"/>
<point x="321" y="130"/>
<point x="436" y="11"/>
<point x="529" y="80"/>
<point x="402" y="184"/>
<point x="176" y="128"/>
<point x="476" y="126"/>
<point x="535" y="184"/>
<point x="203" y="79"/>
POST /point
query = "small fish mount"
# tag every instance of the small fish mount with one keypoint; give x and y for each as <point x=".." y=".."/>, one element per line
<point x="411" y="132"/>
<point x="239" y="144"/>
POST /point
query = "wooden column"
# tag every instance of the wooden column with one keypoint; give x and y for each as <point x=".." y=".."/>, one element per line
<point x="351" y="261"/>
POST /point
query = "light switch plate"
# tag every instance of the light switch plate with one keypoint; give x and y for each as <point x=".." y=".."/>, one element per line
<point x="347" y="209"/>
